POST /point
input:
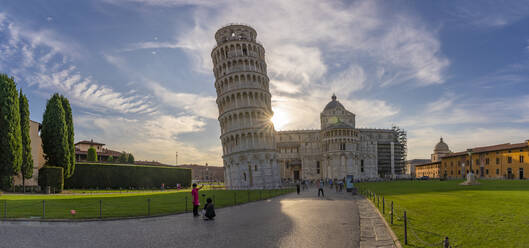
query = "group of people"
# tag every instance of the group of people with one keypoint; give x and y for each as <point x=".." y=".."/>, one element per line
<point x="209" y="208"/>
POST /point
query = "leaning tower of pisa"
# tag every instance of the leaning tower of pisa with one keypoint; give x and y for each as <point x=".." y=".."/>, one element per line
<point x="243" y="99"/>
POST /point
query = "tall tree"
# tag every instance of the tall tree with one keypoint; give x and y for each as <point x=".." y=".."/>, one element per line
<point x="70" y="133"/>
<point x="130" y="159"/>
<point x="123" y="157"/>
<point x="54" y="134"/>
<point x="27" y="159"/>
<point x="91" y="155"/>
<point x="10" y="138"/>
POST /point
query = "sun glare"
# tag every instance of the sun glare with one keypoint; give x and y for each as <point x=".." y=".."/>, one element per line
<point x="280" y="119"/>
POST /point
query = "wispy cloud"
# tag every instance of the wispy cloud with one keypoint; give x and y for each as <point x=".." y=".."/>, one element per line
<point x="491" y="14"/>
<point x="308" y="49"/>
<point x="40" y="58"/>
<point x="148" y="139"/>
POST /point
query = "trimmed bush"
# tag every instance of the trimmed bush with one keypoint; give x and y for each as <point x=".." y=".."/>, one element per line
<point x="92" y="155"/>
<point x="115" y="176"/>
<point x="51" y="176"/>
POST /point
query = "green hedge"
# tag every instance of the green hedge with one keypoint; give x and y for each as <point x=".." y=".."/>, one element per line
<point x="51" y="176"/>
<point x="115" y="176"/>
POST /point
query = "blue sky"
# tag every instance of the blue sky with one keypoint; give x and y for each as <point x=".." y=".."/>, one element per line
<point x="139" y="75"/>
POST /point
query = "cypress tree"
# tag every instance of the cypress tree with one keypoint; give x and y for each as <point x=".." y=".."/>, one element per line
<point x="123" y="157"/>
<point x="27" y="159"/>
<point x="130" y="159"/>
<point x="10" y="138"/>
<point x="54" y="134"/>
<point x="70" y="131"/>
<point x="92" y="155"/>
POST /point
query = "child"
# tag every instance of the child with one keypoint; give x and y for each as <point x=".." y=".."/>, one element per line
<point x="196" y="202"/>
<point x="209" y="210"/>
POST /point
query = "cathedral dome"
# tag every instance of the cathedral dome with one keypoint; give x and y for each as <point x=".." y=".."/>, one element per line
<point x="441" y="147"/>
<point x="333" y="104"/>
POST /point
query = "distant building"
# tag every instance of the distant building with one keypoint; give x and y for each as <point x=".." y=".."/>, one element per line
<point x="503" y="161"/>
<point x="36" y="153"/>
<point x="430" y="170"/>
<point x="440" y="150"/>
<point x="151" y="163"/>
<point x="81" y="151"/>
<point x="205" y="172"/>
<point x="410" y="165"/>
<point x="429" y="167"/>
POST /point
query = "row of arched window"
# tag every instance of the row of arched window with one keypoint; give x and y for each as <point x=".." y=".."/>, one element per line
<point x="244" y="99"/>
<point x="243" y="119"/>
<point x="237" y="81"/>
<point x="238" y="49"/>
<point x="239" y="65"/>
<point x="247" y="141"/>
<point x="340" y="132"/>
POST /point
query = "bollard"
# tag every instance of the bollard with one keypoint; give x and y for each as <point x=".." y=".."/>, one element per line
<point x="405" y="229"/>
<point x="186" y="204"/>
<point x="100" y="209"/>
<point x="148" y="207"/>
<point x="391" y="212"/>
<point x="383" y="206"/>
<point x="43" y="209"/>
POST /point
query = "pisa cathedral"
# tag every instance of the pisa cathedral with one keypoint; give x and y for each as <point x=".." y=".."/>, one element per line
<point x="257" y="156"/>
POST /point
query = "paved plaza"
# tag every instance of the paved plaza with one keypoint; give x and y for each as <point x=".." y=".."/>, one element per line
<point x="286" y="221"/>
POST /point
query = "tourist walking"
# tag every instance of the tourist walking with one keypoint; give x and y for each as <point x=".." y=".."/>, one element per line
<point x="320" y="188"/>
<point x="196" y="202"/>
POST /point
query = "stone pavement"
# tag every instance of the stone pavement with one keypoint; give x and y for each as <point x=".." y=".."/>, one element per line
<point x="373" y="229"/>
<point x="286" y="221"/>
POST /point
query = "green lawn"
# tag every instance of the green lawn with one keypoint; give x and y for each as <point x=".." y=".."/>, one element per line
<point x="120" y="205"/>
<point x="493" y="214"/>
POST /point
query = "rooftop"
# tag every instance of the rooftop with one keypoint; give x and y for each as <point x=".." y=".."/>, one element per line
<point x="493" y="148"/>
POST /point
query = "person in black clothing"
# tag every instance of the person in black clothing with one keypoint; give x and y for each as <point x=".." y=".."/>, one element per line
<point x="298" y="187"/>
<point x="209" y="208"/>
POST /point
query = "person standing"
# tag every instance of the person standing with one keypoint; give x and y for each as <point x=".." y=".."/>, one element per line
<point x="196" y="202"/>
<point x="298" y="186"/>
<point x="320" y="188"/>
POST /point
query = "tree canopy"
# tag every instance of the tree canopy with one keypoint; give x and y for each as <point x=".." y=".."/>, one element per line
<point x="10" y="136"/>
<point x="92" y="154"/>
<point x="27" y="159"/>
<point x="54" y="134"/>
<point x="130" y="159"/>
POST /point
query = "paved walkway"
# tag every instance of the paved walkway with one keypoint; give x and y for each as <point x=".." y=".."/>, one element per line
<point x="373" y="229"/>
<point x="286" y="221"/>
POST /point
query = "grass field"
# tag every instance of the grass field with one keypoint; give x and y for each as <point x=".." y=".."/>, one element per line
<point x="87" y="206"/>
<point x="493" y="214"/>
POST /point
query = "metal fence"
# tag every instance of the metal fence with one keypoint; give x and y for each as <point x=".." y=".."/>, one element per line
<point x="403" y="218"/>
<point x="115" y="205"/>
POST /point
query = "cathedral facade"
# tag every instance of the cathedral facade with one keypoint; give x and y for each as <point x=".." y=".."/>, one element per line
<point x="255" y="155"/>
<point x="339" y="149"/>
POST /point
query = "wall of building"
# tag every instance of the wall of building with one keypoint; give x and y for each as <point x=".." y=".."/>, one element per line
<point x="494" y="164"/>
<point x="431" y="170"/>
<point x="36" y="153"/>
